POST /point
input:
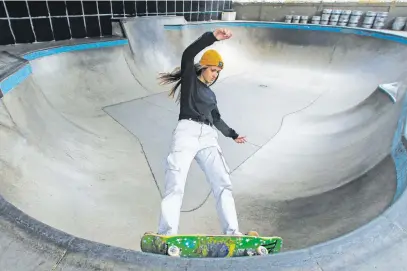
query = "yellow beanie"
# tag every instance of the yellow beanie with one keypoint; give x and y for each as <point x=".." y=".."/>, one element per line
<point x="211" y="58"/>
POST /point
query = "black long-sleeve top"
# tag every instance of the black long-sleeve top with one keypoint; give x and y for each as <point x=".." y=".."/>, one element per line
<point x="197" y="100"/>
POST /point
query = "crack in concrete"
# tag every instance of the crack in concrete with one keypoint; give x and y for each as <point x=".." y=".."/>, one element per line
<point x="279" y="129"/>
<point x="143" y="152"/>
<point x="319" y="266"/>
<point x="60" y="260"/>
<point x="63" y="256"/>
<point x="315" y="260"/>
<point x="12" y="120"/>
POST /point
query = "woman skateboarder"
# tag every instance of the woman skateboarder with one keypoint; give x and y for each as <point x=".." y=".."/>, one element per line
<point x="195" y="136"/>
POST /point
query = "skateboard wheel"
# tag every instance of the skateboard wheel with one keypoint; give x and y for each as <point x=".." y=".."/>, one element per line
<point x="173" y="251"/>
<point x="262" y="250"/>
<point x="253" y="233"/>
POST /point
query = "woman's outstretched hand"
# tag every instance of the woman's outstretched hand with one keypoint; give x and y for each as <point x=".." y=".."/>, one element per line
<point x="241" y="139"/>
<point x="222" y="34"/>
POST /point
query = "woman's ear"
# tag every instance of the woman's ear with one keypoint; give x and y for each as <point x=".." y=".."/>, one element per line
<point x="202" y="69"/>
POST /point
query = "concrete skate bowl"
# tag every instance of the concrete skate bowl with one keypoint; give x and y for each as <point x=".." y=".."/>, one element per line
<point x="84" y="130"/>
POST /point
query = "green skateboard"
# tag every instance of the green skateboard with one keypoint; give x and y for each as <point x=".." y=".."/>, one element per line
<point x="202" y="246"/>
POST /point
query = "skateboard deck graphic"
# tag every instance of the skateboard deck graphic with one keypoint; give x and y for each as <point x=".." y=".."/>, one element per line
<point x="202" y="246"/>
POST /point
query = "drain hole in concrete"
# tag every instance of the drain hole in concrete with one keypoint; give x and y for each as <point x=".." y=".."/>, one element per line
<point x="263" y="86"/>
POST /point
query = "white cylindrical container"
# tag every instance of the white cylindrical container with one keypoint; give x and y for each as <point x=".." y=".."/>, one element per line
<point x="357" y="13"/>
<point x="355" y="19"/>
<point x="228" y="15"/>
<point x="399" y="23"/>
<point x="296" y="19"/>
<point x="304" y="19"/>
<point x="344" y="18"/>
<point x="336" y="12"/>
<point x="346" y="12"/>
<point x="368" y="20"/>
<point x="288" y="18"/>
<point x="378" y="25"/>
<point x="342" y="23"/>
<point x="371" y="14"/>
<point x="352" y="25"/>
<point x="334" y="18"/>
<point x="324" y="22"/>
<point x="327" y="11"/>
<point x="316" y="19"/>
<point x="380" y="20"/>
<point x="333" y="22"/>
<point x="325" y="17"/>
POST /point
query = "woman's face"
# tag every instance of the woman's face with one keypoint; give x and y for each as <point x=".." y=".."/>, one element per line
<point x="210" y="74"/>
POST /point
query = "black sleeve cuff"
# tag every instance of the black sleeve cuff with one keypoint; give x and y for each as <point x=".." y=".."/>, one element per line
<point x="211" y="36"/>
<point x="233" y="134"/>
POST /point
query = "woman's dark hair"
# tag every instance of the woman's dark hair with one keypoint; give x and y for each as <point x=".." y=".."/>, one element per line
<point x="175" y="76"/>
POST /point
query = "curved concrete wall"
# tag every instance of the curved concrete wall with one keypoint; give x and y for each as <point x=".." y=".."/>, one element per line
<point x="324" y="59"/>
<point x="379" y="244"/>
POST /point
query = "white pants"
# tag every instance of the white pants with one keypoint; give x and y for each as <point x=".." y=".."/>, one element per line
<point x="192" y="140"/>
